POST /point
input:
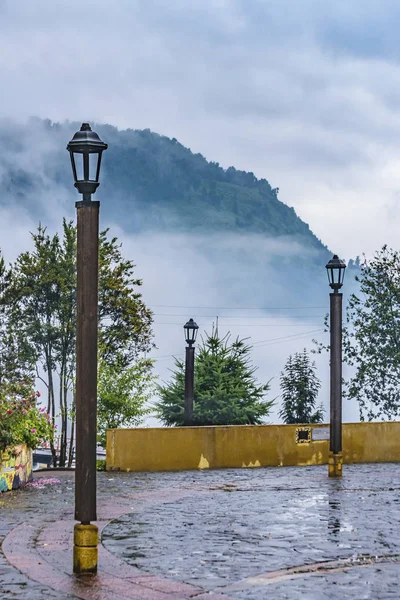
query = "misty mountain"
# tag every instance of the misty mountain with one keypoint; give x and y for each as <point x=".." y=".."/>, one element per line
<point x="153" y="186"/>
<point x="149" y="182"/>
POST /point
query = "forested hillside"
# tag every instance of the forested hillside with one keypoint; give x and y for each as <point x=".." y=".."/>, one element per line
<point x="148" y="182"/>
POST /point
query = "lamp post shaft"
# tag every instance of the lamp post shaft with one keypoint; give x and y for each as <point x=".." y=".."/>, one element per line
<point x="335" y="464"/>
<point x="189" y="386"/>
<point x="86" y="360"/>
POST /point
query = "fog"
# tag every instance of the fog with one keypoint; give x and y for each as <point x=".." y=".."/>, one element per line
<point x="250" y="300"/>
<point x="193" y="276"/>
<point x="272" y="291"/>
<point x="302" y="93"/>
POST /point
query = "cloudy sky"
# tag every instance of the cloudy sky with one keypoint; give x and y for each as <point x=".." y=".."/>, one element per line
<point x="302" y="92"/>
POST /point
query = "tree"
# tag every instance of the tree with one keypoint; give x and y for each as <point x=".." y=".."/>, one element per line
<point x="122" y="394"/>
<point x="300" y="386"/>
<point x="124" y="319"/>
<point x="32" y="297"/>
<point x="372" y="337"/>
<point x="41" y="298"/>
<point x="17" y="359"/>
<point x="225" y="389"/>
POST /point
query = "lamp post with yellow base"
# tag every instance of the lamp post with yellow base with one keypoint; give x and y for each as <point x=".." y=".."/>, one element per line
<point x="335" y="269"/>
<point x="86" y="150"/>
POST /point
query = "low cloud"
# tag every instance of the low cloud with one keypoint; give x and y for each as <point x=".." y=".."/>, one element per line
<point x="304" y="94"/>
<point x="248" y="299"/>
<point x="232" y="280"/>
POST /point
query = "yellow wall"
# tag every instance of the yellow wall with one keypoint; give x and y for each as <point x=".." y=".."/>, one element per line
<point x="170" y="449"/>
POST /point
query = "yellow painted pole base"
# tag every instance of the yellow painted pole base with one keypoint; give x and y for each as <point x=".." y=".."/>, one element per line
<point x="335" y="463"/>
<point x="85" y="549"/>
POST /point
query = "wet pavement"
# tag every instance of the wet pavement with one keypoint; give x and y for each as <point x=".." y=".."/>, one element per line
<point x="279" y="532"/>
<point x="30" y="504"/>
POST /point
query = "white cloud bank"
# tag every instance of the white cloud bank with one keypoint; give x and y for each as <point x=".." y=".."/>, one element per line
<point x="303" y="93"/>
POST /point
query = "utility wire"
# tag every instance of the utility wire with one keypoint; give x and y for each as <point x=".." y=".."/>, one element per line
<point x="285" y="337"/>
<point x="301" y="336"/>
<point x="259" y="344"/>
<point x="253" y="324"/>
<point x="237" y="307"/>
<point x="243" y="316"/>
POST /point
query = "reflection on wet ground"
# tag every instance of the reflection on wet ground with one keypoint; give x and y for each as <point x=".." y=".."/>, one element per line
<point x="258" y="522"/>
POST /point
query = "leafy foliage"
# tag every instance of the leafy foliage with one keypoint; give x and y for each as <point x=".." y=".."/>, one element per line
<point x="371" y="338"/>
<point x="21" y="419"/>
<point x="124" y="320"/>
<point x="39" y="299"/>
<point x="300" y="386"/>
<point x="122" y="394"/>
<point x="225" y="389"/>
<point x="17" y="358"/>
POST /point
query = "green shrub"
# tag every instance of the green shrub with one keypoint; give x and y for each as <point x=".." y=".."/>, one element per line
<point x="22" y="421"/>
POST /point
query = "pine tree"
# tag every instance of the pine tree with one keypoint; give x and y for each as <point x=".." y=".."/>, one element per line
<point x="226" y="391"/>
<point x="300" y="386"/>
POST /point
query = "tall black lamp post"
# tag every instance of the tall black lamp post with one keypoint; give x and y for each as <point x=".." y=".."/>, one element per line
<point x="336" y="269"/>
<point x="190" y="329"/>
<point x="86" y="150"/>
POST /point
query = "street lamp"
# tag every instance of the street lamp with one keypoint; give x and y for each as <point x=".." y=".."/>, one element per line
<point x="335" y="270"/>
<point x="86" y="150"/>
<point x="190" y="329"/>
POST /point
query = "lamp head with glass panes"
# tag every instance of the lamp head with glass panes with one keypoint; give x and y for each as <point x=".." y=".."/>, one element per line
<point x="191" y="329"/>
<point x="86" y="149"/>
<point x="335" y="270"/>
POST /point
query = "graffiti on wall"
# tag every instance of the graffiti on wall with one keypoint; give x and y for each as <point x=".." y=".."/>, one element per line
<point x="15" y="468"/>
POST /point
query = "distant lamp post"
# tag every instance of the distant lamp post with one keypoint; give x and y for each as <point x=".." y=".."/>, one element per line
<point x="335" y="269"/>
<point x="86" y="149"/>
<point x="190" y="329"/>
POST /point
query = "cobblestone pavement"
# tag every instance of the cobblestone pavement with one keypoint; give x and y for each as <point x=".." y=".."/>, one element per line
<point x="30" y="504"/>
<point x="241" y="534"/>
<point x="257" y="522"/>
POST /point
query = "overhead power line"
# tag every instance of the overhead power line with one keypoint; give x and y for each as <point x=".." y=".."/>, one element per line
<point x="285" y="337"/>
<point x="288" y="338"/>
<point x="254" y="324"/>
<point x="270" y="342"/>
<point x="243" y="316"/>
<point x="237" y="307"/>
